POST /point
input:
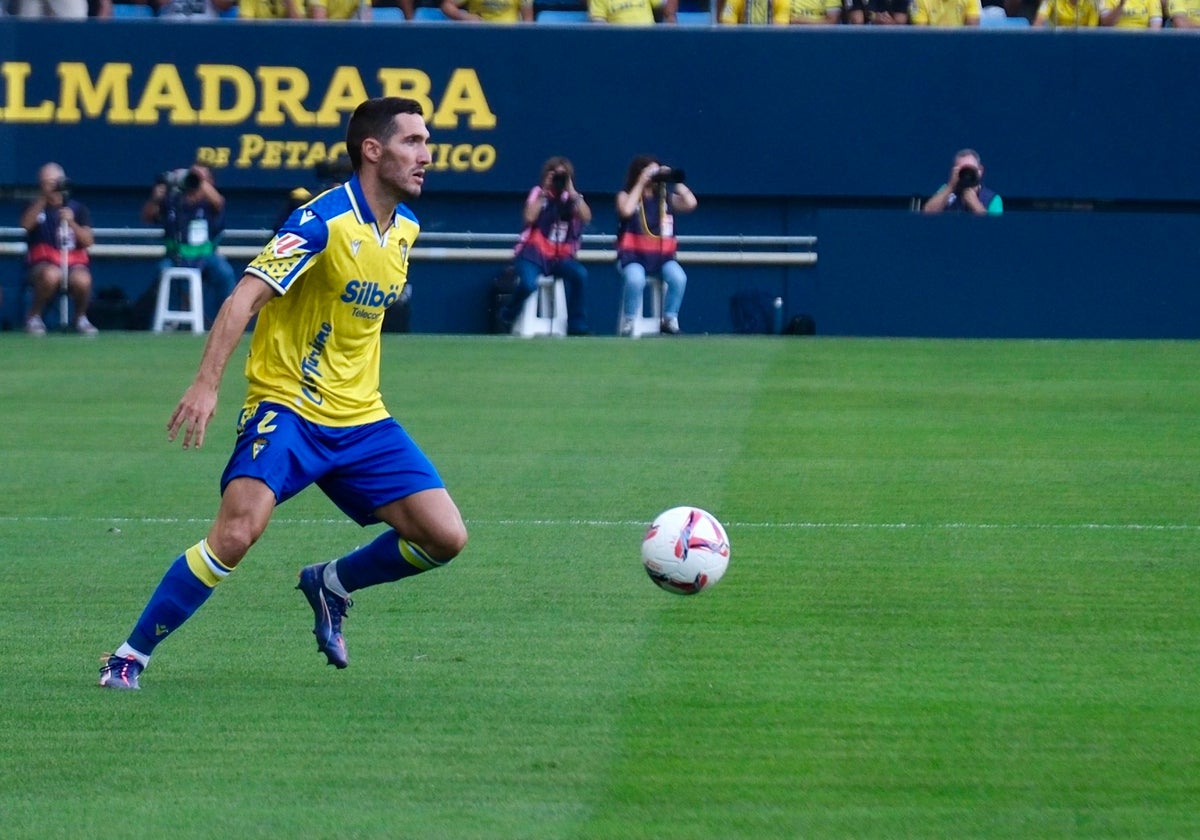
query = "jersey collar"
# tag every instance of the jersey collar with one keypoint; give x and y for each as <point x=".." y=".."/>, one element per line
<point x="358" y="201"/>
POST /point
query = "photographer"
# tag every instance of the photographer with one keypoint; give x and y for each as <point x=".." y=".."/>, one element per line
<point x="58" y="232"/>
<point x="646" y="242"/>
<point x="192" y="214"/>
<point x="555" y="214"/>
<point x="964" y="190"/>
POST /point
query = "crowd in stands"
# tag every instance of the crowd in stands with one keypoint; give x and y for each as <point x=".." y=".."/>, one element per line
<point x="1133" y="14"/>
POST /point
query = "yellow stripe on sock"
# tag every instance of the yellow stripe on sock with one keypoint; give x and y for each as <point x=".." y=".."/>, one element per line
<point x="416" y="557"/>
<point x="205" y="565"/>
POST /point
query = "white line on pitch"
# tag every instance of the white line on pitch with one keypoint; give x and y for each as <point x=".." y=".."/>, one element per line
<point x="640" y="523"/>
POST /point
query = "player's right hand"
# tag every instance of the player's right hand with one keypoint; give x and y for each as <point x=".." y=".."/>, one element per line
<point x="196" y="408"/>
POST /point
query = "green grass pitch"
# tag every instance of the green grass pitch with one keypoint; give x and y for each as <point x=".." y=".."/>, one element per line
<point x="962" y="601"/>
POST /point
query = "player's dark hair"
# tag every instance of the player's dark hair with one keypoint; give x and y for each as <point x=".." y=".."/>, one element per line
<point x="373" y="119"/>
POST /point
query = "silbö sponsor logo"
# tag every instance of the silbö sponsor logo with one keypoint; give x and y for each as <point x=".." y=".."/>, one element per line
<point x="310" y="365"/>
<point x="369" y="299"/>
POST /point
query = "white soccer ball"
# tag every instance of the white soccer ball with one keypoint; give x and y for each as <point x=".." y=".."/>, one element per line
<point x="686" y="550"/>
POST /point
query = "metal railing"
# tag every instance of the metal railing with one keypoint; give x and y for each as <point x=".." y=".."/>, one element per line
<point x="463" y="246"/>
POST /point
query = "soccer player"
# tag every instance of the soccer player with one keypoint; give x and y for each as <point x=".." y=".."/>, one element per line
<point x="313" y="412"/>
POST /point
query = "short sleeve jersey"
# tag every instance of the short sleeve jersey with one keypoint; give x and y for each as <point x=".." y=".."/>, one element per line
<point x="944" y="12"/>
<point x="336" y="9"/>
<point x="1186" y="8"/>
<point x="816" y="11"/>
<point x="496" y="11"/>
<point x="621" y="11"/>
<point x="1135" y="14"/>
<point x="316" y="347"/>
<point x="1067" y="13"/>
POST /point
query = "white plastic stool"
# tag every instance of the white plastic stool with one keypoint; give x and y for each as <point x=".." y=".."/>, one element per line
<point x="545" y="311"/>
<point x="649" y="322"/>
<point x="193" y="296"/>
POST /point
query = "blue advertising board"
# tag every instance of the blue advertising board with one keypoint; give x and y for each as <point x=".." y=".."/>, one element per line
<point x="843" y="111"/>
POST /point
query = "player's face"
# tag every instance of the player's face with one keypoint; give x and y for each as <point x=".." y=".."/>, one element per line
<point x="404" y="157"/>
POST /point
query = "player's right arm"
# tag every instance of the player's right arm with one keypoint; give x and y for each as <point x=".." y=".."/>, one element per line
<point x="199" y="402"/>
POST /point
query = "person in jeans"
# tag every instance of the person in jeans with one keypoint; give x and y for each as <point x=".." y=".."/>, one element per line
<point x="646" y="243"/>
<point x="555" y="215"/>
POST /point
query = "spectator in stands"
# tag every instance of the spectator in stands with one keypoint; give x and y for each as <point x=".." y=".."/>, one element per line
<point x="1067" y="13"/>
<point x="339" y="9"/>
<point x="271" y="9"/>
<point x="555" y="215"/>
<point x="1131" y="14"/>
<point x="756" y="12"/>
<point x="58" y="231"/>
<point x="964" y="191"/>
<point x="1184" y="14"/>
<point x="191" y="211"/>
<point x="782" y="12"/>
<point x="58" y="9"/>
<point x="630" y="12"/>
<point x="646" y="243"/>
<point x="946" y="13"/>
<point x="189" y="10"/>
<point x="490" y="11"/>
<point x="876" y="12"/>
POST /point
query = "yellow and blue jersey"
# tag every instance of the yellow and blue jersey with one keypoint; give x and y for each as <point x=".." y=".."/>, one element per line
<point x="316" y="346"/>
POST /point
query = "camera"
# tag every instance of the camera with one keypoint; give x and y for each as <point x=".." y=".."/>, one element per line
<point x="968" y="177"/>
<point x="179" y="179"/>
<point x="558" y="182"/>
<point x="62" y="185"/>
<point x="667" y="175"/>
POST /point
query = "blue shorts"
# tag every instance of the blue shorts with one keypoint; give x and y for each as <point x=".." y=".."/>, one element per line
<point x="360" y="468"/>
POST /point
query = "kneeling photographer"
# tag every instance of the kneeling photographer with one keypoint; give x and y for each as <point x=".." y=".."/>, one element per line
<point x="964" y="191"/>
<point x="191" y="211"/>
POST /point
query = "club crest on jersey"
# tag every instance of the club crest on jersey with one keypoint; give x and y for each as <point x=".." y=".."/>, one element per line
<point x="288" y="243"/>
<point x="258" y="446"/>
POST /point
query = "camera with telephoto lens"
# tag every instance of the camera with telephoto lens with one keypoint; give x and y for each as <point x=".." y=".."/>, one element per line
<point x="180" y="179"/>
<point x="62" y="185"/>
<point x="558" y="182"/>
<point x="667" y="175"/>
<point x="968" y="177"/>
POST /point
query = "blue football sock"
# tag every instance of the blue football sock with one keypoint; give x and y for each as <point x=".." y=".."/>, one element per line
<point x="182" y="590"/>
<point x="387" y="558"/>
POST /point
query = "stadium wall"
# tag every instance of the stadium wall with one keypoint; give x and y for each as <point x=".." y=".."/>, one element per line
<point x="831" y="133"/>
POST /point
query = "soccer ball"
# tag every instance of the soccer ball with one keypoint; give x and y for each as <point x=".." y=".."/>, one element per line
<point x="686" y="550"/>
